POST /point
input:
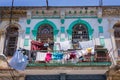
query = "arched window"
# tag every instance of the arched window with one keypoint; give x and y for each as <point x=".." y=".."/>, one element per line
<point x="117" y="32"/>
<point x="80" y="33"/>
<point x="44" y="33"/>
<point x="117" y="36"/>
<point x="11" y="40"/>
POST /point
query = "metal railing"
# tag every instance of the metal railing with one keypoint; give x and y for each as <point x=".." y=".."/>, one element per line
<point x="90" y="60"/>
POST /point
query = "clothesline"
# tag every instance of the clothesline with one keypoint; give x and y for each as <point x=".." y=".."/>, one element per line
<point x="55" y="50"/>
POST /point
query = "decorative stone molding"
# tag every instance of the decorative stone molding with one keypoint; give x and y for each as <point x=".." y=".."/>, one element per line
<point x="2" y="32"/>
<point x="99" y="20"/>
<point x="55" y="30"/>
<point x="21" y="31"/>
<point x="28" y="17"/>
<point x="62" y="16"/>
<point x="28" y="21"/>
<point x="111" y="30"/>
<point x="111" y="11"/>
<point x="79" y="21"/>
<point x="62" y="21"/>
<point x="17" y="13"/>
<point x="34" y="32"/>
<point x="99" y="13"/>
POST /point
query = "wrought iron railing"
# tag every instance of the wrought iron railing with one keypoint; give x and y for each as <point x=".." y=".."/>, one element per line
<point x="90" y="60"/>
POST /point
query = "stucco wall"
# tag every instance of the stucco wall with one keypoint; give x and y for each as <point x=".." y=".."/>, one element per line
<point x="93" y="22"/>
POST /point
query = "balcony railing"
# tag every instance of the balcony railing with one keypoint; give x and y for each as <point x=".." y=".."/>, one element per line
<point x="86" y="60"/>
<point x="87" y="64"/>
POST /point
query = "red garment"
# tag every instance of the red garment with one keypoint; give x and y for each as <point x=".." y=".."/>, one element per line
<point x="48" y="57"/>
<point x="72" y="56"/>
<point x="35" y="45"/>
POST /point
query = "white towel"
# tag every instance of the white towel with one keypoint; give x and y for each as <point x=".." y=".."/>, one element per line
<point x="65" y="45"/>
<point x="40" y="56"/>
<point x="86" y="44"/>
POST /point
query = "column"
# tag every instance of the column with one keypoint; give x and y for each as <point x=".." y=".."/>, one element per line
<point x="112" y="39"/>
<point x="62" y="28"/>
<point x="2" y="38"/>
<point x="21" y="39"/>
<point x="27" y="31"/>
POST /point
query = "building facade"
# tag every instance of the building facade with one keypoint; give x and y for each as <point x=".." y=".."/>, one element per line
<point x="60" y="24"/>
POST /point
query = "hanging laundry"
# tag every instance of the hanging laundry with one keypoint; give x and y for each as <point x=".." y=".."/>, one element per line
<point x="66" y="56"/>
<point x="72" y="56"/>
<point x="35" y="45"/>
<point x="41" y="56"/>
<point x="57" y="56"/>
<point x="65" y="45"/>
<point x="48" y="57"/>
<point x="57" y="46"/>
<point x="18" y="61"/>
<point x="86" y="44"/>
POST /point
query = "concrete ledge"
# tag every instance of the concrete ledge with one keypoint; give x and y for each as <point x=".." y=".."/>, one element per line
<point x="37" y="72"/>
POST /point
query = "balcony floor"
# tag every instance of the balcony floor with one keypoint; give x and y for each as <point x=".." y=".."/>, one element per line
<point x="69" y="64"/>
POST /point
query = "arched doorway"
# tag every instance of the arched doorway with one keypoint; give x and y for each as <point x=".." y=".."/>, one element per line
<point x="11" y="39"/>
<point x="116" y="28"/>
<point x="79" y="33"/>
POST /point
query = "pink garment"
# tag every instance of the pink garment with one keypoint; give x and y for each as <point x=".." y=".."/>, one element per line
<point x="48" y="57"/>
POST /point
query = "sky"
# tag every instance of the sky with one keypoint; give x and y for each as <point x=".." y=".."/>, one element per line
<point x="59" y="2"/>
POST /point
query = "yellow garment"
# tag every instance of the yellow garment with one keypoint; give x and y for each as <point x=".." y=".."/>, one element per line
<point x="89" y="50"/>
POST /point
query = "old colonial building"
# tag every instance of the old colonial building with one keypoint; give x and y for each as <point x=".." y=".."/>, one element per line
<point x="24" y="26"/>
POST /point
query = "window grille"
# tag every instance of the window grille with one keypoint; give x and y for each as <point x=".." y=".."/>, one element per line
<point x="117" y="33"/>
<point x="117" y="37"/>
<point x="45" y="32"/>
<point x="11" y="41"/>
<point x="79" y="33"/>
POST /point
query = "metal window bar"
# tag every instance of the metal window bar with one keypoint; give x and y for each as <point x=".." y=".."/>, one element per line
<point x="79" y="33"/>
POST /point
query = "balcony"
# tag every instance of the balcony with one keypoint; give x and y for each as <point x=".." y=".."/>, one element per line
<point x="87" y="64"/>
<point x="70" y="58"/>
<point x="86" y="61"/>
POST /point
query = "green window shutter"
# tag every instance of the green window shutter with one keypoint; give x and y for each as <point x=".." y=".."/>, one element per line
<point x="27" y="30"/>
<point x="100" y="29"/>
<point x="62" y="29"/>
<point x="102" y="41"/>
<point x="26" y="42"/>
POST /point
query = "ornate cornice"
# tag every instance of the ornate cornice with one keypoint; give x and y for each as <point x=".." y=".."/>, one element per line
<point x="17" y="13"/>
<point x="111" y="11"/>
